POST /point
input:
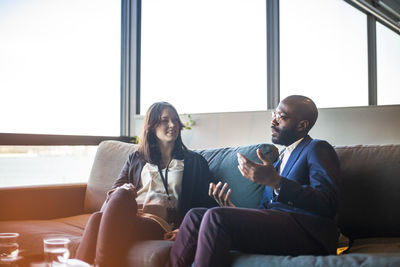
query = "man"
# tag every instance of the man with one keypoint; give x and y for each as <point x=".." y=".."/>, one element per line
<point x="296" y="215"/>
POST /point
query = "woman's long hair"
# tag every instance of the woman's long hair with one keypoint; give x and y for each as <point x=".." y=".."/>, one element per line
<point x="148" y="145"/>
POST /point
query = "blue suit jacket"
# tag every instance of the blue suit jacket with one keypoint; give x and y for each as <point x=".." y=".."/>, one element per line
<point x="309" y="190"/>
<point x="310" y="181"/>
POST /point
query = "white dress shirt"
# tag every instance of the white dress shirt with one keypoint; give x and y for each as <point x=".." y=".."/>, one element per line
<point x="152" y="197"/>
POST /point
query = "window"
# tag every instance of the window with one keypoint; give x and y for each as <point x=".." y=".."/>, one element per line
<point x="204" y="56"/>
<point x="60" y="67"/>
<point x="388" y="64"/>
<point x="59" y="74"/>
<point x="28" y="165"/>
<point x="323" y="52"/>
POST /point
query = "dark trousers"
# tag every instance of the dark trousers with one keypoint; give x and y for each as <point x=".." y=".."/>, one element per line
<point x="109" y="234"/>
<point x="206" y="236"/>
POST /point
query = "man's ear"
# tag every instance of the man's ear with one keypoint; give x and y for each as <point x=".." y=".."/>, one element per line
<point x="303" y="125"/>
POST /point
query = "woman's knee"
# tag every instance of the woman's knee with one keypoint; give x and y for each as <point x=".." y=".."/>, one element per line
<point x="121" y="199"/>
<point x="121" y="194"/>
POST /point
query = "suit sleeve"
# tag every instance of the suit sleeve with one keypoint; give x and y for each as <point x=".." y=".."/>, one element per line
<point x="320" y="195"/>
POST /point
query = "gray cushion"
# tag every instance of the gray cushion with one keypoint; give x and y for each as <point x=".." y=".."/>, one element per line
<point x="149" y="253"/>
<point x="223" y="166"/>
<point x="370" y="191"/>
<point x="347" y="260"/>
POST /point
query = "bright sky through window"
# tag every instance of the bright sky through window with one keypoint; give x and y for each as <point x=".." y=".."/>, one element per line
<point x="204" y="55"/>
<point x="60" y="66"/>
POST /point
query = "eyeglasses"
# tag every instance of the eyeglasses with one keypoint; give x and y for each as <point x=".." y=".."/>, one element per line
<point x="277" y="116"/>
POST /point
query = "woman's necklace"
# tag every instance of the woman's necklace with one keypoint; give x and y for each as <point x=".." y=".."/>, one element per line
<point x="165" y="179"/>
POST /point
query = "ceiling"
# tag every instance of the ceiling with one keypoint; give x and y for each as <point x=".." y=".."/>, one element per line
<point x="391" y="8"/>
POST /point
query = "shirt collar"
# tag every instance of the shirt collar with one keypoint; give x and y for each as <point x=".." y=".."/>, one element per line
<point x="291" y="147"/>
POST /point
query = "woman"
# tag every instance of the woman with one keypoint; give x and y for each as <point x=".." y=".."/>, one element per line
<point x="157" y="186"/>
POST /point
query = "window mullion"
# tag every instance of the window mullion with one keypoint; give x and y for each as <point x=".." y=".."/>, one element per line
<point x="273" y="96"/>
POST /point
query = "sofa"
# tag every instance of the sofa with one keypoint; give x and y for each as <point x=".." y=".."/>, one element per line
<point x="368" y="216"/>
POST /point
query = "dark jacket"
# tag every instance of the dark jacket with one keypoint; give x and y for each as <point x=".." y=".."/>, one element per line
<point x="195" y="181"/>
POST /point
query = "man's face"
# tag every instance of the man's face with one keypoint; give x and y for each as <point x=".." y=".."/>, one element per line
<point x="284" y="125"/>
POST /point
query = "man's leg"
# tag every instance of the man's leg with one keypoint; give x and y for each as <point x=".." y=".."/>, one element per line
<point x="252" y="231"/>
<point x="184" y="247"/>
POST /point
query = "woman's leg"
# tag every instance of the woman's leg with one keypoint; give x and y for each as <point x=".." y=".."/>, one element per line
<point x="116" y="229"/>
<point x="109" y="234"/>
<point x="87" y="248"/>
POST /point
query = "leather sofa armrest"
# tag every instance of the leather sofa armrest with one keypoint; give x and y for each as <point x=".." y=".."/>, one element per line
<point x="41" y="202"/>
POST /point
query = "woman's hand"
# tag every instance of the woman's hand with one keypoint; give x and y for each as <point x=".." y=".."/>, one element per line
<point x="129" y="187"/>
<point x="218" y="193"/>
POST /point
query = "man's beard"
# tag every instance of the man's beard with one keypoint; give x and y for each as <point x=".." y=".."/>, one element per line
<point x="285" y="137"/>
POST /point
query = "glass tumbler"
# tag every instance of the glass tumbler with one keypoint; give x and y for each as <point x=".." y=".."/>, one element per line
<point x="56" y="252"/>
<point x="9" y="248"/>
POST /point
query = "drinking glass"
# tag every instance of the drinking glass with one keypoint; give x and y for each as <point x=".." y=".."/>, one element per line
<point x="56" y="252"/>
<point x="9" y="248"/>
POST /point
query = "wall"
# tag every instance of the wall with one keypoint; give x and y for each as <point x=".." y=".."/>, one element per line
<point x="340" y="126"/>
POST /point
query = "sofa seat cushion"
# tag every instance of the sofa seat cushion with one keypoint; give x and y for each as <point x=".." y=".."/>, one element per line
<point x="32" y="233"/>
<point x="376" y="245"/>
<point x="348" y="260"/>
<point x="155" y="253"/>
<point x="149" y="253"/>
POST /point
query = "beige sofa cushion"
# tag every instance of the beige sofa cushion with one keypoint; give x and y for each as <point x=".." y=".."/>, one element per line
<point x="109" y="160"/>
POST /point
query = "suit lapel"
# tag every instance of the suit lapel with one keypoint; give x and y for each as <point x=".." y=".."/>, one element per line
<point x="278" y="162"/>
<point x="295" y="155"/>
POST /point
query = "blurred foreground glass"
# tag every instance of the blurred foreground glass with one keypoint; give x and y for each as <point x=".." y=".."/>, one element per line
<point x="9" y="248"/>
<point x="56" y="251"/>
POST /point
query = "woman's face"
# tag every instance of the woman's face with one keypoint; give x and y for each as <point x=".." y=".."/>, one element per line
<point x="168" y="128"/>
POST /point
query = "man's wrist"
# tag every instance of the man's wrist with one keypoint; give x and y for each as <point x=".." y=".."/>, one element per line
<point x="277" y="187"/>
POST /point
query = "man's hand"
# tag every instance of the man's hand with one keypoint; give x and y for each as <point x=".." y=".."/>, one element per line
<point x="264" y="173"/>
<point x="218" y="193"/>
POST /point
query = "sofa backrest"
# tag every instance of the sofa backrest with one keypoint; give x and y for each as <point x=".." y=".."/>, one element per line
<point x="223" y="166"/>
<point x="370" y="184"/>
<point x="108" y="162"/>
<point x="111" y="156"/>
<point x="370" y="191"/>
